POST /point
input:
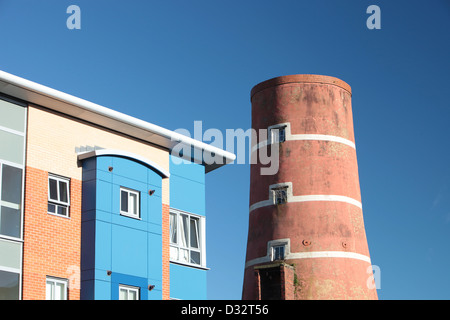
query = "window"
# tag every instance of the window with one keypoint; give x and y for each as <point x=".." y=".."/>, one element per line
<point x="186" y="238"/>
<point x="9" y="285"/>
<point x="280" y="195"/>
<point x="58" y="195"/>
<point x="128" y="293"/>
<point x="10" y="200"/>
<point x="278" y="252"/>
<point x="278" y="134"/>
<point x="56" y="289"/>
<point x="129" y="202"/>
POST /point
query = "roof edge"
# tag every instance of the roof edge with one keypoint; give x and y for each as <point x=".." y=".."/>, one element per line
<point x="300" y="78"/>
<point x="33" y="92"/>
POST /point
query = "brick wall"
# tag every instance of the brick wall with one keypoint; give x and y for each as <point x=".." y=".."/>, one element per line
<point x="165" y="253"/>
<point x="51" y="243"/>
<point x="287" y="282"/>
<point x="257" y="286"/>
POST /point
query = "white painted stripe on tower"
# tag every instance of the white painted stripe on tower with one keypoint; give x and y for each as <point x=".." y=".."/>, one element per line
<point x="306" y="137"/>
<point x="293" y="137"/>
<point x="312" y="255"/>
<point x="329" y="254"/>
<point x="326" y="197"/>
<point x="323" y="137"/>
<point x="314" y="197"/>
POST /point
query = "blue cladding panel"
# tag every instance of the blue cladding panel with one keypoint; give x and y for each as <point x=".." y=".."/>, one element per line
<point x="103" y="199"/>
<point x="102" y="290"/>
<point x="187" y="283"/>
<point x="129" y="251"/>
<point x="187" y="193"/>
<point x="103" y="245"/>
<point x="187" y="186"/>
<point x="130" y="248"/>
<point x="187" y="169"/>
<point x="87" y="289"/>
<point x="88" y="229"/>
<point x="140" y="282"/>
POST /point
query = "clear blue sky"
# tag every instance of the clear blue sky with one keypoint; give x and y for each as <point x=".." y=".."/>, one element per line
<point x="174" y="62"/>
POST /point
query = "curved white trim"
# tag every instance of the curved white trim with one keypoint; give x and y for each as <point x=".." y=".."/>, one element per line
<point x="312" y="254"/>
<point x="124" y="154"/>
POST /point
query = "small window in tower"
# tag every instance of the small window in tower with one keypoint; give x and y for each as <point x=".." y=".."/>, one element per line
<point x="278" y="253"/>
<point x="282" y="134"/>
<point x="280" y="195"/>
<point x="278" y="134"/>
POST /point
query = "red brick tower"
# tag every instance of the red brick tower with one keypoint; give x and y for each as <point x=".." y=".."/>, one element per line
<point x="306" y="237"/>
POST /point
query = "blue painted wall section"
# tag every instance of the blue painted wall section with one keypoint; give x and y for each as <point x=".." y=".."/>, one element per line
<point x="187" y="193"/>
<point x="130" y="248"/>
<point x="187" y="283"/>
<point x="187" y="186"/>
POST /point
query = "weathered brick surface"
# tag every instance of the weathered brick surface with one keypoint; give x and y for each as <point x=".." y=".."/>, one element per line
<point x="312" y="105"/>
<point x="300" y="78"/>
<point x="51" y="243"/>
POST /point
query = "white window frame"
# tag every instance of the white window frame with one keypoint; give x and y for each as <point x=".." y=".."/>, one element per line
<point x="53" y="281"/>
<point x="273" y="244"/>
<point x="129" y="289"/>
<point x="276" y="195"/>
<point x="10" y="204"/>
<point x="127" y="213"/>
<point x="284" y="186"/>
<point x="277" y="131"/>
<point x="57" y="202"/>
<point x="274" y="252"/>
<point x="177" y="247"/>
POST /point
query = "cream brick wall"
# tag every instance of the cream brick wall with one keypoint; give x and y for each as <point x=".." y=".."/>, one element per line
<point x="53" y="139"/>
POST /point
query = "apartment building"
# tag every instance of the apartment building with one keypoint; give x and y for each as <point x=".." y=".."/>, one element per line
<point x="94" y="203"/>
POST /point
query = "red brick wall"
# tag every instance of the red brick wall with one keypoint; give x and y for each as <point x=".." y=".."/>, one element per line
<point x="288" y="282"/>
<point x="165" y="253"/>
<point x="257" y="286"/>
<point x="313" y="105"/>
<point x="51" y="243"/>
